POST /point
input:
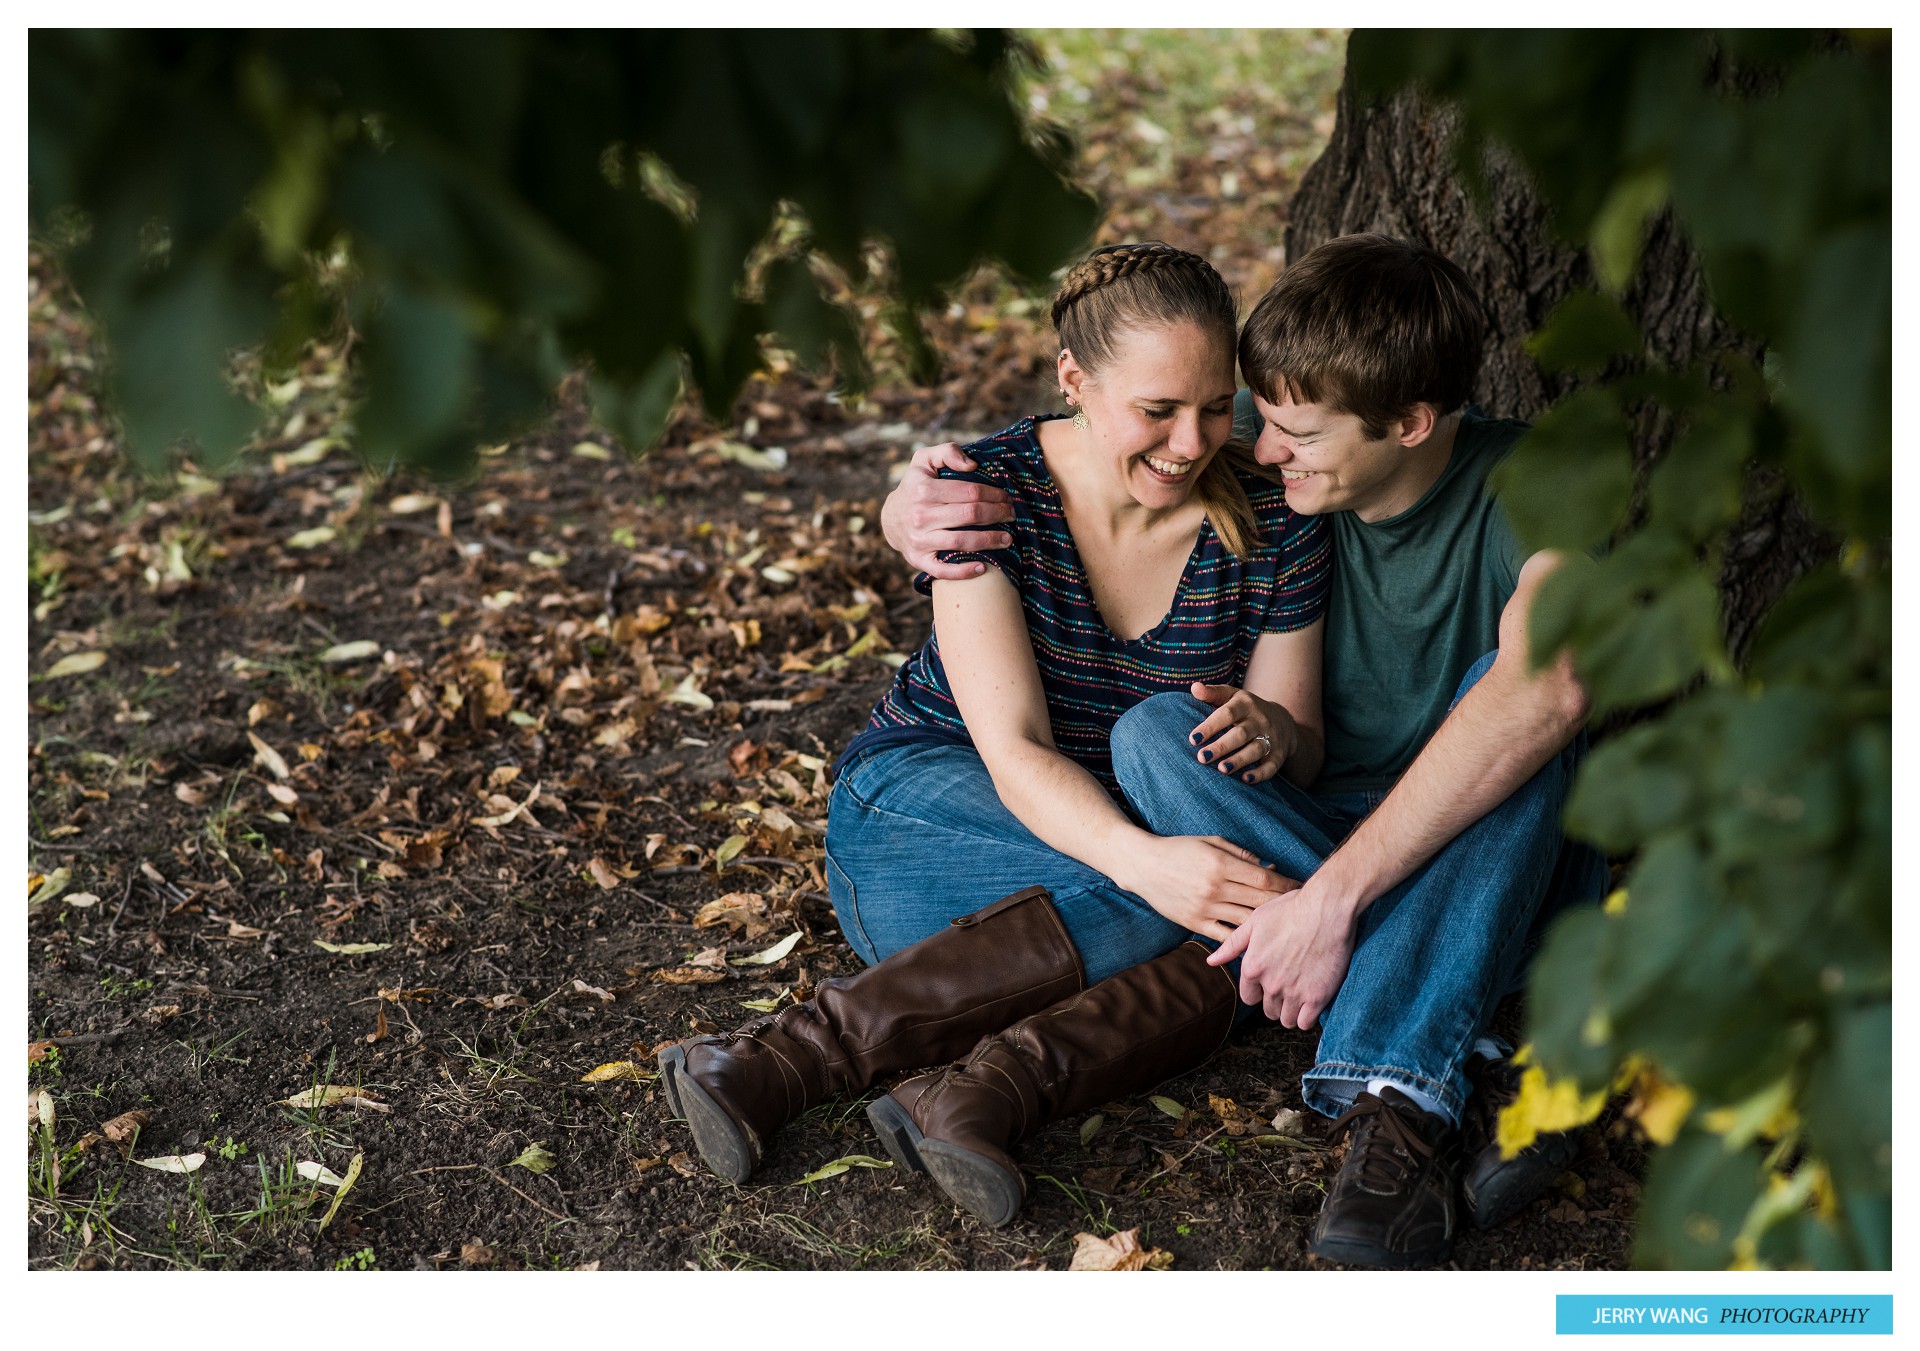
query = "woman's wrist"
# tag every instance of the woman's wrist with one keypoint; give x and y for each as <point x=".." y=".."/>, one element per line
<point x="1126" y="846"/>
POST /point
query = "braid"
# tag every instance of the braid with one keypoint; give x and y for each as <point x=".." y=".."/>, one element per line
<point x="1116" y="262"/>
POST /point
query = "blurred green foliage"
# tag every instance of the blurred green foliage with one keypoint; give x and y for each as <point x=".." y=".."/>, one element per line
<point x="496" y="208"/>
<point x="1751" y="961"/>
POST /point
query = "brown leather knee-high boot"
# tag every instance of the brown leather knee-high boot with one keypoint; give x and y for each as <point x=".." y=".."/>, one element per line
<point x="925" y="1004"/>
<point x="1125" y="1034"/>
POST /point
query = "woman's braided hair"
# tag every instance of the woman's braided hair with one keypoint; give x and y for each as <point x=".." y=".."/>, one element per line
<point x="1123" y="288"/>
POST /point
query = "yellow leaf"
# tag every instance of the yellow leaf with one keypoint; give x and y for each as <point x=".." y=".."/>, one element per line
<point x="350" y="949"/>
<point x="761" y="1005"/>
<point x="48" y="887"/>
<point x="1169" y="1106"/>
<point x="729" y="850"/>
<point x="1660" y="1107"/>
<point x="358" y="650"/>
<point x="1543" y="1107"/>
<point x="77" y="664"/>
<point x="346" y="1185"/>
<point x="617" y="1069"/>
<point x="310" y="539"/>
<point x="592" y="450"/>
<point x="1616" y="904"/>
<point x="408" y="503"/>
<point x="331" y="1095"/>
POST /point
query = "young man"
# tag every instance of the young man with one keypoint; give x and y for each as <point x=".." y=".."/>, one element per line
<point x="1430" y="849"/>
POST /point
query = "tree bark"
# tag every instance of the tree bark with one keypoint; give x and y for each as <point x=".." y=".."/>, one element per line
<point x="1390" y="168"/>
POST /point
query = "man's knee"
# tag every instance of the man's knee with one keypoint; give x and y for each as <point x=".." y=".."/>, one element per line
<point x="1155" y="729"/>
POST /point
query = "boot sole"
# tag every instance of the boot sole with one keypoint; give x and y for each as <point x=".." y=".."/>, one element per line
<point x="897" y="1132"/>
<point x="979" y="1184"/>
<point x="723" y="1146"/>
<point x="1352" y="1253"/>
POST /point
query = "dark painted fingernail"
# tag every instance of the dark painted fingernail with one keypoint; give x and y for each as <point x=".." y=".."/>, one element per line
<point x="1246" y="778"/>
<point x="1206" y="757"/>
<point x="1194" y="739"/>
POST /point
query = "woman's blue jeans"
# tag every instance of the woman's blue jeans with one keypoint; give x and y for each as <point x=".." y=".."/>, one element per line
<point x="916" y="835"/>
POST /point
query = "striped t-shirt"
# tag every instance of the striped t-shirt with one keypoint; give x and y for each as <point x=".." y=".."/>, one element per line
<point x="1091" y="676"/>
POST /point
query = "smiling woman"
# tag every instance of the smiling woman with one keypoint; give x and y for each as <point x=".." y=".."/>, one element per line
<point x="1155" y="596"/>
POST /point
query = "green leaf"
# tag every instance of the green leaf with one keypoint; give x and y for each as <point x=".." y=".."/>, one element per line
<point x="1695" y="488"/>
<point x="535" y="1159"/>
<point x="1585" y="333"/>
<point x="1091" y="1127"/>
<point x="1697" y="1196"/>
<point x="1650" y="651"/>
<point x="1621" y="225"/>
<point x="1849" y="1099"/>
<point x="841" y="1165"/>
<point x="1169" y="1106"/>
<point x="1567" y="482"/>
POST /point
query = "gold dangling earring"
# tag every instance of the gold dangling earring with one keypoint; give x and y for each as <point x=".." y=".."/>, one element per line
<point x="1079" y="414"/>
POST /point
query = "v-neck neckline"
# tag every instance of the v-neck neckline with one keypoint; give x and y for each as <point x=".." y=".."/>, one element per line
<point x="1079" y="564"/>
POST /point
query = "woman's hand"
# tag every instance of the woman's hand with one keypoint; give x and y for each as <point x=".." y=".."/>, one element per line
<point x="1245" y="735"/>
<point x="1203" y="883"/>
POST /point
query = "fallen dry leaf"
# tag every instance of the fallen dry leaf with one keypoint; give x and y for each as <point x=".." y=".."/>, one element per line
<point x="683" y="1165"/>
<point x="333" y="1095"/>
<point x="713" y="958"/>
<point x="268" y="756"/>
<point x="37" y="1051"/>
<point x="688" y="975"/>
<point x="581" y="987"/>
<point x="318" y="1172"/>
<point x="769" y="956"/>
<point x="617" y="1069"/>
<point x="174" y="1163"/>
<point x="1121" y="1252"/>
<point x="602" y="874"/>
<point x="476" y="1255"/>
<point x="350" y="949"/>
<point x="40" y="1110"/>
<point x="744" y="910"/>
<point x="77" y="664"/>
<point x="124" y="1129"/>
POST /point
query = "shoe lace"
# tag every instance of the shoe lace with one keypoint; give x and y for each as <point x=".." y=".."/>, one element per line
<point x="1387" y="1146"/>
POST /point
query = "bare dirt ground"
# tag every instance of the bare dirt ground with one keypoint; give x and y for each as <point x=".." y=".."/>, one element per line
<point x="445" y="797"/>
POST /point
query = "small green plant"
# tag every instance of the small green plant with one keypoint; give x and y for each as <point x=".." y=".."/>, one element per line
<point x="112" y="987"/>
<point x="363" y="1260"/>
<point x="230" y="1148"/>
<point x="46" y="1069"/>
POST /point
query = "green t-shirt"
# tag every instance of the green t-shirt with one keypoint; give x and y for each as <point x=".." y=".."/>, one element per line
<point x="1416" y="601"/>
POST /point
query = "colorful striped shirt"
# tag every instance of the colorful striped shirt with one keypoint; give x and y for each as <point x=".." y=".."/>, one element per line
<point x="1090" y="675"/>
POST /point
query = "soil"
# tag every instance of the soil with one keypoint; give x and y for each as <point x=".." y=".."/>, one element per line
<point x="194" y="989"/>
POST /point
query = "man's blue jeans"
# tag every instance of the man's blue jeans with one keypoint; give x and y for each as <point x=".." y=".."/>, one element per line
<point x="916" y="835"/>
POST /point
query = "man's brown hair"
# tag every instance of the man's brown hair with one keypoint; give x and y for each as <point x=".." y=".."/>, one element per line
<point x="1368" y="325"/>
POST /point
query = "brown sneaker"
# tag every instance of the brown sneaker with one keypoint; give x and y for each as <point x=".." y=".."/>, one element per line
<point x="1492" y="1187"/>
<point x="1392" y="1204"/>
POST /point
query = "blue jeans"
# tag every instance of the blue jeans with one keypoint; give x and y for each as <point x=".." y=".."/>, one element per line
<point x="1433" y="956"/>
<point x="917" y="835"/>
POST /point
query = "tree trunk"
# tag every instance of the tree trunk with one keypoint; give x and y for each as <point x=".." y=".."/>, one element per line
<point x="1390" y="168"/>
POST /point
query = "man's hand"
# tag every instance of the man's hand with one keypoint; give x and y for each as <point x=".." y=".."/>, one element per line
<point x="1296" y="949"/>
<point x="927" y="513"/>
<point x="1203" y="883"/>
